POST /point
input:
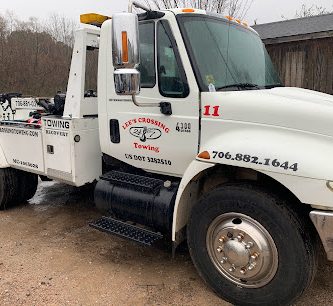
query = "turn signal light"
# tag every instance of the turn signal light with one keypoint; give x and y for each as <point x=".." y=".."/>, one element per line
<point x="204" y="155"/>
<point x="124" y="46"/>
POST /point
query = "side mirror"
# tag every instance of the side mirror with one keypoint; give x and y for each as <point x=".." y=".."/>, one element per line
<point x="125" y="40"/>
<point x="127" y="81"/>
<point x="126" y="53"/>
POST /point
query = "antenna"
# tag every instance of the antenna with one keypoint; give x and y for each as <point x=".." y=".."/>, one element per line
<point x="138" y="5"/>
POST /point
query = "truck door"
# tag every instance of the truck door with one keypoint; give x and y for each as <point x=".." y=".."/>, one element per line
<point x="149" y="139"/>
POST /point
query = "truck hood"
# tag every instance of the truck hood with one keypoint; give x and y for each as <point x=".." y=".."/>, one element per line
<point x="294" y="108"/>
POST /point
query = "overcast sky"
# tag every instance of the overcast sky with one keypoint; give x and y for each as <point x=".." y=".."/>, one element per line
<point x="262" y="10"/>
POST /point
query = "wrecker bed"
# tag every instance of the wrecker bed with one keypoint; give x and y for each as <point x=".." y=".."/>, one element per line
<point x="67" y="150"/>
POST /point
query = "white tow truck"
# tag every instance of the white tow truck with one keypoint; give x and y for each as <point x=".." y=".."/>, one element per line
<point x="195" y="139"/>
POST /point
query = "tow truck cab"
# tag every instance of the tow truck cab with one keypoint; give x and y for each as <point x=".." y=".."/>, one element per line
<point x="211" y="113"/>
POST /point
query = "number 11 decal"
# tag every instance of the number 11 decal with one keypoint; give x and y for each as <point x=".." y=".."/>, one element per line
<point x="213" y="111"/>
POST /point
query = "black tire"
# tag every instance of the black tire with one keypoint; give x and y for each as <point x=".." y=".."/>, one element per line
<point x="8" y="188"/>
<point x="45" y="178"/>
<point x="28" y="185"/>
<point x="293" y="236"/>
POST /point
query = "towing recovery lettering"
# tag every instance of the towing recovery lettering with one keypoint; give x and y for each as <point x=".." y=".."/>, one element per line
<point x="59" y="124"/>
<point x="56" y="133"/>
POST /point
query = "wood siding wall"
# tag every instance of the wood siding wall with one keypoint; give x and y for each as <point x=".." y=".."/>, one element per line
<point x="306" y="64"/>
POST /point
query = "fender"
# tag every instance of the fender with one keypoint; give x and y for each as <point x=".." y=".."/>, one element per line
<point x="271" y="149"/>
<point x="300" y="161"/>
<point x="3" y="160"/>
<point x="312" y="153"/>
<point x="183" y="200"/>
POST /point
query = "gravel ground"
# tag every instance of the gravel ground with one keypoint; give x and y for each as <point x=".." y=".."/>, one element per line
<point x="49" y="256"/>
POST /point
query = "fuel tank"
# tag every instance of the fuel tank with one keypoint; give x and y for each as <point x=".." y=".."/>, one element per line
<point x="136" y="198"/>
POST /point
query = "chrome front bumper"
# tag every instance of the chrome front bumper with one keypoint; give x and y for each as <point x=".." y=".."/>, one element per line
<point x="323" y="221"/>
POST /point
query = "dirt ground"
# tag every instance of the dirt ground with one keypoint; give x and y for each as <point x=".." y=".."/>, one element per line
<point x="50" y="256"/>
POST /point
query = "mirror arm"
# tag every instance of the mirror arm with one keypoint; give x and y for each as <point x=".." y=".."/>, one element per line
<point x="136" y="103"/>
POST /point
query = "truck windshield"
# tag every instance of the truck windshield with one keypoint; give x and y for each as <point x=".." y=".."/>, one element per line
<point x="226" y="55"/>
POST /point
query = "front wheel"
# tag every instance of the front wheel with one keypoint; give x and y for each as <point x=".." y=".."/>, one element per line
<point x="250" y="247"/>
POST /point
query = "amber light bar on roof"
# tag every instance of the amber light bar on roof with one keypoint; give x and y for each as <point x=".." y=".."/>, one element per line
<point x="230" y="18"/>
<point x="93" y="19"/>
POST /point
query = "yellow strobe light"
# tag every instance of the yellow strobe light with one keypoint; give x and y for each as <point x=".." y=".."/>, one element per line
<point x="93" y="19"/>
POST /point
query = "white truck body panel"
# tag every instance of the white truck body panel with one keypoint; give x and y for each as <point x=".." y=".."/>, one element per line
<point x="77" y="162"/>
<point x="23" y="146"/>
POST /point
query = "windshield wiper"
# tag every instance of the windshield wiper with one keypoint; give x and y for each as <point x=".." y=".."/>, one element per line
<point x="273" y="86"/>
<point x="240" y="86"/>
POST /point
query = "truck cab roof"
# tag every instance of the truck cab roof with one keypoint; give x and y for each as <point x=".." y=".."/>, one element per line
<point x="181" y="11"/>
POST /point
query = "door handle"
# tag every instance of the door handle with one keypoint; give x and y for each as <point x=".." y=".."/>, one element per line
<point x="166" y="108"/>
<point x="114" y="131"/>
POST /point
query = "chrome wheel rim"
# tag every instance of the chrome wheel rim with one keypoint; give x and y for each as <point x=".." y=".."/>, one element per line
<point x="242" y="250"/>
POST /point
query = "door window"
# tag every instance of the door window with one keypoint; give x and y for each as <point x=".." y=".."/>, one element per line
<point x="147" y="58"/>
<point x="171" y="74"/>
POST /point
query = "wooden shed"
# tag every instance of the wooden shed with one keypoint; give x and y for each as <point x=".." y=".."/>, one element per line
<point x="302" y="51"/>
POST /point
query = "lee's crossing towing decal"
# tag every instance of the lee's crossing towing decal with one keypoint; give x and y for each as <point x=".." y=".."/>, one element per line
<point x="246" y="158"/>
<point x="147" y="124"/>
<point x="146" y="130"/>
<point x="145" y="133"/>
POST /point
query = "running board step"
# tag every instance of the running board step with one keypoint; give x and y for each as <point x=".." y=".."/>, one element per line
<point x="125" y="230"/>
<point x="133" y="181"/>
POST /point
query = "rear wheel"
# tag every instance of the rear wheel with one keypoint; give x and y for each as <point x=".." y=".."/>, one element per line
<point x="8" y="187"/>
<point x="28" y="183"/>
<point x="250" y="247"/>
<point x="16" y="187"/>
<point x="45" y="178"/>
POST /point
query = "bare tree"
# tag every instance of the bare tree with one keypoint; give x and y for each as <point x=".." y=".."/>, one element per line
<point x="35" y="56"/>
<point x="236" y="8"/>
<point x="308" y="11"/>
<point x="313" y="10"/>
<point x="61" y="28"/>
